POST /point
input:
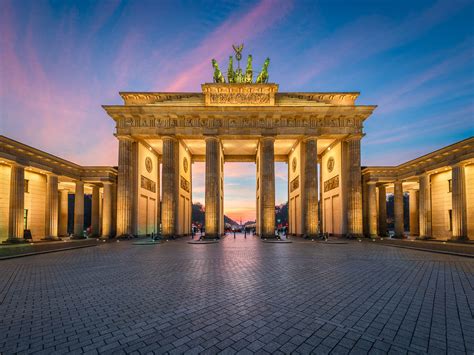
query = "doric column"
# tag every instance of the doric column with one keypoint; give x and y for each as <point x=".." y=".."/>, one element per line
<point x="382" y="230"/>
<point x="158" y="194"/>
<point x="79" y="210"/>
<point x="414" y="213"/>
<point x="126" y="188"/>
<point x="267" y="186"/>
<point x="63" y="212"/>
<point x="170" y="175"/>
<point x="372" y="209"/>
<point x="51" y="212"/>
<point x="354" y="188"/>
<point x="17" y="203"/>
<point x="398" y="208"/>
<point x="310" y="183"/>
<point x="459" y="215"/>
<point x="107" y="211"/>
<point x="425" y="207"/>
<point x="95" y="211"/>
<point x="213" y="196"/>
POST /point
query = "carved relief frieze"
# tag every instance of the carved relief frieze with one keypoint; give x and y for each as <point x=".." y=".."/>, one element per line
<point x="184" y="184"/>
<point x="294" y="184"/>
<point x="331" y="184"/>
<point x="147" y="184"/>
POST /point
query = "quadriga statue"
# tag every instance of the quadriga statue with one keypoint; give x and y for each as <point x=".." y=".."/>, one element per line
<point x="249" y="71"/>
<point x="262" y="78"/>
<point x="218" y="77"/>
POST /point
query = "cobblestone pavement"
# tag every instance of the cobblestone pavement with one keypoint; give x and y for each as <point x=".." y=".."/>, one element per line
<point x="240" y="295"/>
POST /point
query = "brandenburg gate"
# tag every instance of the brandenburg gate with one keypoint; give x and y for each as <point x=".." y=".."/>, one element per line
<point x="238" y="120"/>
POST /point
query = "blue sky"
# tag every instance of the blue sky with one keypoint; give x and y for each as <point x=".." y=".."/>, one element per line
<point x="61" y="60"/>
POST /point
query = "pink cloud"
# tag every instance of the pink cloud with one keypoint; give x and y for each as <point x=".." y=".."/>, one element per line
<point x="236" y="29"/>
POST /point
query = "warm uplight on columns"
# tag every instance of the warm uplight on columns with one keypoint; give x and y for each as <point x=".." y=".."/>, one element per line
<point x="63" y="212"/>
<point x="79" y="210"/>
<point x="95" y="211"/>
<point x="310" y="196"/>
<point x="17" y="203"/>
<point x="107" y="210"/>
<point x="425" y="207"/>
<point x="212" y="197"/>
<point x="267" y="186"/>
<point x="414" y="213"/>
<point x="459" y="215"/>
<point x="372" y="213"/>
<point x="125" y="189"/>
<point x="398" y="208"/>
<point x="354" y="187"/>
<point x="170" y="175"/>
<point x="382" y="215"/>
<point x="51" y="212"/>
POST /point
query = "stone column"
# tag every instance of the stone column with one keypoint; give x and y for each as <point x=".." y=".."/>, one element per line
<point x="372" y="209"/>
<point x="107" y="211"/>
<point x="79" y="211"/>
<point x="170" y="175"/>
<point x="51" y="212"/>
<point x="424" y="207"/>
<point x="17" y="204"/>
<point x="398" y="208"/>
<point x="310" y="183"/>
<point x="414" y="213"/>
<point x="95" y="211"/>
<point x="158" y="194"/>
<point x="459" y="215"/>
<point x="213" y="196"/>
<point x="267" y="186"/>
<point x="125" y="189"/>
<point x="382" y="211"/>
<point x="63" y="212"/>
<point x="354" y="190"/>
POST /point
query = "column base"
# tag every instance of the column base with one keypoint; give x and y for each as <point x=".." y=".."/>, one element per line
<point x="354" y="236"/>
<point x="458" y="239"/>
<point x="402" y="236"/>
<point x="15" y="241"/>
<point x="426" y="237"/>
<point x="77" y="237"/>
<point x="51" y="239"/>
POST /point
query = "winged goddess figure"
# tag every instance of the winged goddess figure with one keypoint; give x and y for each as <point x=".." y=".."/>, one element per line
<point x="238" y="52"/>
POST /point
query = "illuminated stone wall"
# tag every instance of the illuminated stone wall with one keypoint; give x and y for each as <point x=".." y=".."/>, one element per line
<point x="294" y="190"/>
<point x="441" y="204"/>
<point x="332" y="191"/>
<point x="147" y="191"/>
<point x="185" y="183"/>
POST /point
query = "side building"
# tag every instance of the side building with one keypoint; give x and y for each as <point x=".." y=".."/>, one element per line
<point x="35" y="189"/>
<point x="440" y="186"/>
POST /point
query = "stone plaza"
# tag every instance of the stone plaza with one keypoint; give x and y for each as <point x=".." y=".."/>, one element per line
<point x="238" y="296"/>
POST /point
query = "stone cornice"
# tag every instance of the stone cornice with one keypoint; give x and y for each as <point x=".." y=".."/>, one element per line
<point x="457" y="153"/>
<point x="16" y="152"/>
<point x="275" y="99"/>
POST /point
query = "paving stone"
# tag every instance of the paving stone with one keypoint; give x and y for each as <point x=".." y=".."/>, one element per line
<point x="238" y="296"/>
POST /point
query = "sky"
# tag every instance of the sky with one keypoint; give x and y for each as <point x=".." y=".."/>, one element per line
<point x="61" y="60"/>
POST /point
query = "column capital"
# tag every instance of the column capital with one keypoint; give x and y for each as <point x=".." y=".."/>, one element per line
<point x="459" y="164"/>
<point x="169" y="138"/>
<point x="269" y="137"/>
<point x="353" y="137"/>
<point x="208" y="137"/>
<point x="310" y="138"/>
<point x="370" y="182"/>
<point x="124" y="137"/>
